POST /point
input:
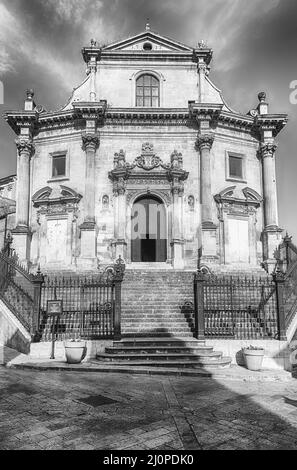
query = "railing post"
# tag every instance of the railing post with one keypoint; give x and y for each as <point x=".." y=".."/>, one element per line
<point x="119" y="269"/>
<point x="287" y="240"/>
<point x="37" y="281"/>
<point x="279" y="279"/>
<point x="199" y="305"/>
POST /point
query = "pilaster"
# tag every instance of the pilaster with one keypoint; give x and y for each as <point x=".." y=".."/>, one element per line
<point x="209" y="249"/>
<point x="21" y="239"/>
<point x="91" y="142"/>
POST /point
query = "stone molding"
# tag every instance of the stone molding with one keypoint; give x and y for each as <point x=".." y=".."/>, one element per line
<point x="25" y="147"/>
<point x="267" y="150"/>
<point x="204" y="141"/>
<point x="91" y="142"/>
<point x="124" y="172"/>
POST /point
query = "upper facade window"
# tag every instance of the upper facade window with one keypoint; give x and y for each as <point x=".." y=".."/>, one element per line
<point x="59" y="166"/>
<point x="235" y="167"/>
<point x="147" y="91"/>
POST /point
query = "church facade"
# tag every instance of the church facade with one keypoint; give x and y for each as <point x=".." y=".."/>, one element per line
<point x="148" y="162"/>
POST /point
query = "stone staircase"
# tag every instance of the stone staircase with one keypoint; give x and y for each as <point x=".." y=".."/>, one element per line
<point x="157" y="327"/>
<point x="171" y="353"/>
<point x="152" y="303"/>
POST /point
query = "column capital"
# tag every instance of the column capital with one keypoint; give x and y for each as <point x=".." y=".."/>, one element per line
<point x="25" y="147"/>
<point x="90" y="141"/>
<point x="204" y="141"/>
<point x="267" y="149"/>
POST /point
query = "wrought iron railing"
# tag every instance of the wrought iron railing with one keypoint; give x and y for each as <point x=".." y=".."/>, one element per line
<point x="236" y="307"/>
<point x="20" y="289"/>
<point x="91" y="305"/>
<point x="287" y="264"/>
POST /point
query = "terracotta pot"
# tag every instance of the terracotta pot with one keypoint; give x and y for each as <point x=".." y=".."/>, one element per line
<point x="75" y="351"/>
<point x="253" y="358"/>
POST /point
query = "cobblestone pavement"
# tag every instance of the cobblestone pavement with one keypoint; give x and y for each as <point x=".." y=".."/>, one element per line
<point x="74" y="410"/>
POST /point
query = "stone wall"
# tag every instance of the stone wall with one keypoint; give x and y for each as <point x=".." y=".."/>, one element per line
<point x="12" y="332"/>
<point x="165" y="140"/>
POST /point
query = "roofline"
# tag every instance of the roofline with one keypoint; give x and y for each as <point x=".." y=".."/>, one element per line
<point x="147" y="33"/>
<point x="7" y="179"/>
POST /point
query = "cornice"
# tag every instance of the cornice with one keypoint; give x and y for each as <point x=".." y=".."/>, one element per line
<point x="147" y="116"/>
<point x="273" y="122"/>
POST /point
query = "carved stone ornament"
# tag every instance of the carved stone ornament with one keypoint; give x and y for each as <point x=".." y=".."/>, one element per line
<point x="191" y="202"/>
<point x="62" y="201"/>
<point x="26" y="147"/>
<point x="148" y="159"/>
<point x="204" y="141"/>
<point x="90" y="142"/>
<point x="267" y="150"/>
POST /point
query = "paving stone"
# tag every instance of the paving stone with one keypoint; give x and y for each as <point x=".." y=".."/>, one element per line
<point x="151" y="412"/>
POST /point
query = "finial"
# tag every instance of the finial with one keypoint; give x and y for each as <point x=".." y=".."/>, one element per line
<point x="93" y="43"/>
<point x="148" y="26"/>
<point x="201" y="44"/>
<point x="262" y="96"/>
<point x="30" y="94"/>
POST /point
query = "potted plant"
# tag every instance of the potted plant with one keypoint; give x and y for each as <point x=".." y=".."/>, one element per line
<point x="75" y="350"/>
<point x="253" y="357"/>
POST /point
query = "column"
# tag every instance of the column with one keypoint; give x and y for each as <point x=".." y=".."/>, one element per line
<point x="209" y="249"/>
<point x="90" y="145"/>
<point x="21" y="232"/>
<point x="120" y="229"/>
<point x="269" y="184"/>
<point x="272" y="232"/>
<point x="87" y="260"/>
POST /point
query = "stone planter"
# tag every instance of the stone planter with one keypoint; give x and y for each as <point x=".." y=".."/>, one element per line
<point x="75" y="351"/>
<point x="253" y="358"/>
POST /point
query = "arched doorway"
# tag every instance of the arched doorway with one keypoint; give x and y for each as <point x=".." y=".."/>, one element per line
<point x="149" y="230"/>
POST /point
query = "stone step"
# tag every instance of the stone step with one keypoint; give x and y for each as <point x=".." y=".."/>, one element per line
<point x="163" y="357"/>
<point x="156" y="326"/>
<point x="153" y="334"/>
<point x="173" y="341"/>
<point x="153" y="321"/>
<point x="158" y="349"/>
<point x="210" y="363"/>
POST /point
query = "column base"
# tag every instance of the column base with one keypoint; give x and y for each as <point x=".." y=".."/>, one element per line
<point x="88" y="258"/>
<point x="177" y="246"/>
<point x="209" y="240"/>
<point x="21" y="242"/>
<point x="119" y="248"/>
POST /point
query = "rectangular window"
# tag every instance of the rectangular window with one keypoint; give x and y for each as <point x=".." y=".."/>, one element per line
<point x="59" y="166"/>
<point x="235" y="167"/>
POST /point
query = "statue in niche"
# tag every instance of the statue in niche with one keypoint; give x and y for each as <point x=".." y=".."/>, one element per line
<point x="105" y="202"/>
<point x="191" y="202"/>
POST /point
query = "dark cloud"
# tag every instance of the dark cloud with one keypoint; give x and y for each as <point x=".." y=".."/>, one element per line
<point x="254" y="49"/>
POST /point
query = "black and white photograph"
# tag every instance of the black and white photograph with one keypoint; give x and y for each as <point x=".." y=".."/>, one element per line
<point x="148" y="228"/>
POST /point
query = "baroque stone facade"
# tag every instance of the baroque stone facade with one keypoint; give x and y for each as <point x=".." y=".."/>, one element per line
<point x="146" y="161"/>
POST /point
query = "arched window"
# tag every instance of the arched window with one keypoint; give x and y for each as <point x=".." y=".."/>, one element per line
<point x="147" y="91"/>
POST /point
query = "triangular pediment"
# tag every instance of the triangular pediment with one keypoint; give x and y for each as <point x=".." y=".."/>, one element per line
<point x="157" y="42"/>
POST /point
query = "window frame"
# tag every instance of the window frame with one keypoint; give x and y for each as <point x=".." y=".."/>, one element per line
<point x="241" y="157"/>
<point x="151" y="87"/>
<point x="53" y="155"/>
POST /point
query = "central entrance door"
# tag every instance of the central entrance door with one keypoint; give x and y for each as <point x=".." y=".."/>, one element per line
<point x="149" y="233"/>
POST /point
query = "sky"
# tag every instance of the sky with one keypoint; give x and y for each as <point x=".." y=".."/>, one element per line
<point x="254" y="43"/>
